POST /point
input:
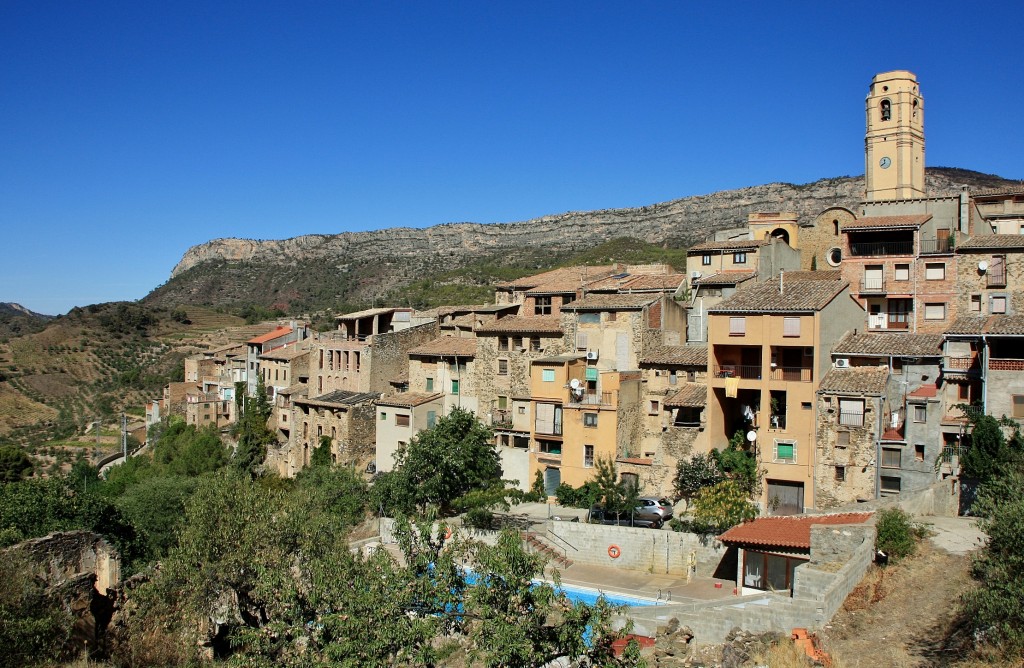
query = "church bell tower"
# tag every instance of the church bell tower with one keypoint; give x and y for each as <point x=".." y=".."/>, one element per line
<point x="894" y="141"/>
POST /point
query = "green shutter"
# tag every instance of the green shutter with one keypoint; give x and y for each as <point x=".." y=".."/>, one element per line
<point x="784" y="451"/>
<point x="591" y="373"/>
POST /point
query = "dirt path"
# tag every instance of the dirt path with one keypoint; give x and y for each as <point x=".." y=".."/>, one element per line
<point x="900" y="616"/>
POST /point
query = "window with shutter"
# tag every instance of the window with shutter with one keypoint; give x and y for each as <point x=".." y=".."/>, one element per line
<point x="737" y="326"/>
<point x="934" y="311"/>
<point x="935" y="271"/>
<point x="791" y="326"/>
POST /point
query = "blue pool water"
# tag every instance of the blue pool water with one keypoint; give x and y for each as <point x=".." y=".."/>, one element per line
<point x="590" y="596"/>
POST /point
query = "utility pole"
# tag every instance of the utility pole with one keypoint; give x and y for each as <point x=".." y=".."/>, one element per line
<point x="124" y="436"/>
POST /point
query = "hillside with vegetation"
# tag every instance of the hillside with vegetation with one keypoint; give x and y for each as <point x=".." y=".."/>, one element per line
<point x="459" y="261"/>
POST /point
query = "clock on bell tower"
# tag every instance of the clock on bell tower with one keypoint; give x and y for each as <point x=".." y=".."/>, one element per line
<point x="894" y="141"/>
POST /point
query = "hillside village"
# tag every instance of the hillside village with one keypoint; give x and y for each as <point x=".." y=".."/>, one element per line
<point x="846" y="351"/>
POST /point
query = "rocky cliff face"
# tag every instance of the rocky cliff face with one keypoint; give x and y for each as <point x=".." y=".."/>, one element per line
<point x="363" y="264"/>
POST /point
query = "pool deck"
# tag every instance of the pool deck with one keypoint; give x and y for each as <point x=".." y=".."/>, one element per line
<point x="674" y="588"/>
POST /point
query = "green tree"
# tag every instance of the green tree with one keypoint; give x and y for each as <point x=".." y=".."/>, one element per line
<point x="695" y="474"/>
<point x="440" y="465"/>
<point x="988" y="448"/>
<point x="995" y="609"/>
<point x="740" y="464"/>
<point x="322" y="453"/>
<point x="618" y="497"/>
<point x="15" y="464"/>
<point x="34" y="627"/>
<point x="252" y="432"/>
<point x="721" y="506"/>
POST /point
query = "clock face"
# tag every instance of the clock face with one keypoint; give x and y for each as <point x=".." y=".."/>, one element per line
<point x="884" y="163"/>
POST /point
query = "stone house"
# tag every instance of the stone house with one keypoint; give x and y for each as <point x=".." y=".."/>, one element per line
<point x="505" y="348"/>
<point x="347" y="418"/>
<point x="445" y="366"/>
<point x="545" y="293"/>
<point x="259" y="345"/>
<point x="985" y="354"/>
<point x="906" y="421"/>
<point x="674" y="398"/>
<point x="849" y="426"/>
<point x="1003" y="208"/>
<point x="367" y="352"/>
<point x="769" y="345"/>
<point x="284" y="367"/>
<point x="990" y="275"/>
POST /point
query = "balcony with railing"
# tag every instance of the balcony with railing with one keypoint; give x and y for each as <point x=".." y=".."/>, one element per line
<point x="872" y="286"/>
<point x="996" y="277"/>
<point x="745" y="371"/>
<point x="792" y="374"/>
<point x="965" y="364"/>
<point x="851" y="419"/>
<point x="881" y="248"/>
<point x="936" y="246"/>
<point x="1003" y="364"/>
<point x="584" y="398"/>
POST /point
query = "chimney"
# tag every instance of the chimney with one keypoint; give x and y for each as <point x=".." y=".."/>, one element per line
<point x="782" y="272"/>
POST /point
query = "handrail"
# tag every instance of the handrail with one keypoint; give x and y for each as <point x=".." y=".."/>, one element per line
<point x="555" y="535"/>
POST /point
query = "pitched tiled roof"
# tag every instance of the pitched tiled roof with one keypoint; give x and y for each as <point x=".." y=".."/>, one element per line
<point x="925" y="391"/>
<point x="288" y="352"/>
<point x="869" y="380"/>
<point x="518" y="324"/>
<point x="447" y="346"/>
<point x="299" y="389"/>
<point x="993" y="242"/>
<point x="574" y="273"/>
<point x="611" y="302"/>
<point x="726" y="278"/>
<point x="339" y="398"/>
<point x="1007" y="325"/>
<point x="367" y="313"/>
<point x="408" y="399"/>
<point x="688" y="396"/>
<point x="816" y="275"/>
<point x="797" y="296"/>
<point x="793" y="532"/>
<point x="271" y="335"/>
<point x="875" y="222"/>
<point x="1003" y="190"/>
<point x="655" y="282"/>
<point x="884" y="344"/>
<point x="677" y="356"/>
<point x="731" y="245"/>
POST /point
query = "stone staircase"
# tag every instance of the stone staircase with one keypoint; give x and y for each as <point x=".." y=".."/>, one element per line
<point x="535" y="542"/>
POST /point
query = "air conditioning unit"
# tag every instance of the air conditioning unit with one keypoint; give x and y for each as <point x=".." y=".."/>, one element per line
<point x="592" y="355"/>
<point x="842" y="363"/>
<point x="695" y="274"/>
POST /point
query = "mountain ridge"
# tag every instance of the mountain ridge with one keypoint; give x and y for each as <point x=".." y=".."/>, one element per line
<point x="324" y="270"/>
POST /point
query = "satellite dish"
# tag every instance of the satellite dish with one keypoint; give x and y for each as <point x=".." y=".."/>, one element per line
<point x="574" y="383"/>
<point x="983" y="265"/>
<point x="751" y="436"/>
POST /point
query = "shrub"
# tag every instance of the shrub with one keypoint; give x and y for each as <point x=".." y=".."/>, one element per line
<point x="897" y="533"/>
<point x="583" y="496"/>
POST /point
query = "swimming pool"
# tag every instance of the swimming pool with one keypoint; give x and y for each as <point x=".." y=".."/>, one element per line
<point x="590" y="596"/>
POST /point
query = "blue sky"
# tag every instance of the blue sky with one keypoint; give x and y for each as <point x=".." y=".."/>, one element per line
<point x="130" y="131"/>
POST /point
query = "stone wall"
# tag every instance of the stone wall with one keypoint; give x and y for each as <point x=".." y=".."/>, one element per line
<point x="855" y="457"/>
<point x="389" y="354"/>
<point x="818" y="238"/>
<point x="67" y="555"/>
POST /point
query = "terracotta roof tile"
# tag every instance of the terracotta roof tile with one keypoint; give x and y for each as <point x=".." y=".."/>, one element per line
<point x="408" y="399"/>
<point x="792" y="532"/>
<point x="884" y="344"/>
<point x="730" y="245"/>
<point x="993" y="242"/>
<point x="677" y="356"/>
<point x="661" y="282"/>
<point x="287" y="352"/>
<point x="447" y="346"/>
<point x="1008" y="325"/>
<point x="611" y="302"/>
<point x="689" y="396"/>
<point x="369" y="312"/>
<point x="876" y="222"/>
<point x="639" y="461"/>
<point x="271" y="335"/>
<point x="870" y="380"/>
<point x="797" y="296"/>
<point x="518" y="324"/>
<point x="726" y="278"/>
<point x="527" y="282"/>
<point x="925" y="391"/>
<point x="816" y="275"/>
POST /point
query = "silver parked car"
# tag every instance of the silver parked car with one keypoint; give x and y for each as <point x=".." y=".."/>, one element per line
<point x="652" y="504"/>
